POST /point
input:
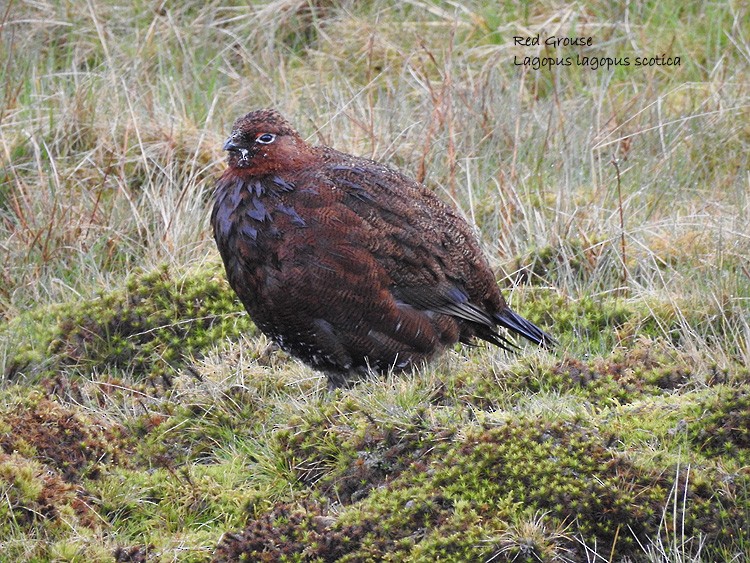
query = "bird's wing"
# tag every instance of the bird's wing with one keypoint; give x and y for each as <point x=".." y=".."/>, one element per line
<point x="428" y="249"/>
<point x="430" y="252"/>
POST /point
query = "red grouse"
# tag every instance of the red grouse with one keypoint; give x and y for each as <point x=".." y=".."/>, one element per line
<point x="346" y="263"/>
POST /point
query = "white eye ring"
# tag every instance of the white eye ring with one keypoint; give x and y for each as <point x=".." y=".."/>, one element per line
<point x="266" y="139"/>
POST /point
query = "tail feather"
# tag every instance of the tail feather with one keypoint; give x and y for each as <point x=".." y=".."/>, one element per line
<point x="514" y="322"/>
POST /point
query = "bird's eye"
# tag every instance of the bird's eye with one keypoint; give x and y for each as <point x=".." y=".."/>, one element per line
<point x="266" y="138"/>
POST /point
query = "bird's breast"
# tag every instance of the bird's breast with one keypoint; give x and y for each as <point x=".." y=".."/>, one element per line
<point x="253" y="221"/>
<point x="255" y="212"/>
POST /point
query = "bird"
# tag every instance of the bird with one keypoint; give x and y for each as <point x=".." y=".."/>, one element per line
<point x="348" y="264"/>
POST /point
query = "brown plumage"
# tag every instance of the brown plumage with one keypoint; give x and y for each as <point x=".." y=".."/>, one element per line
<point x="346" y="263"/>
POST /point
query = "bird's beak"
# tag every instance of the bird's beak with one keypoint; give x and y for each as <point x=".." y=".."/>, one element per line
<point x="229" y="145"/>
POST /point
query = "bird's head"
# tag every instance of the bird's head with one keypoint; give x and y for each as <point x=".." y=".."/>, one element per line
<point x="263" y="142"/>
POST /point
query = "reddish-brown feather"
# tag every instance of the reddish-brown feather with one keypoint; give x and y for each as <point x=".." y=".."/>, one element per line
<point x="346" y="263"/>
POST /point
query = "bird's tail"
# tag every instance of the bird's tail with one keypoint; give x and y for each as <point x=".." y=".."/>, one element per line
<point x="508" y="318"/>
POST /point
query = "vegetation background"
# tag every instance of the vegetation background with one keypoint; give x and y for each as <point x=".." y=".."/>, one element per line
<point x="142" y="417"/>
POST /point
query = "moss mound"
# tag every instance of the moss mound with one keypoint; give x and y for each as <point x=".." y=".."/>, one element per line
<point x="724" y="429"/>
<point x="67" y="441"/>
<point x="647" y="368"/>
<point x="39" y="501"/>
<point x="146" y="329"/>
<point x="527" y="489"/>
<point x="344" y="454"/>
<point x="288" y="532"/>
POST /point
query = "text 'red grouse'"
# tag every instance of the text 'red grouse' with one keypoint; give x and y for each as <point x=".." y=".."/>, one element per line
<point x="346" y="263"/>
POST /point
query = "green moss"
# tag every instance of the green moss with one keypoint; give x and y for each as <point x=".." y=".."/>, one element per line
<point x="460" y="490"/>
<point x="66" y="440"/>
<point x="583" y="322"/>
<point x="723" y="427"/>
<point x="37" y="501"/>
<point x="648" y="368"/>
<point x="145" y="330"/>
<point x="346" y="454"/>
<point x="288" y="532"/>
<point x="590" y="325"/>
